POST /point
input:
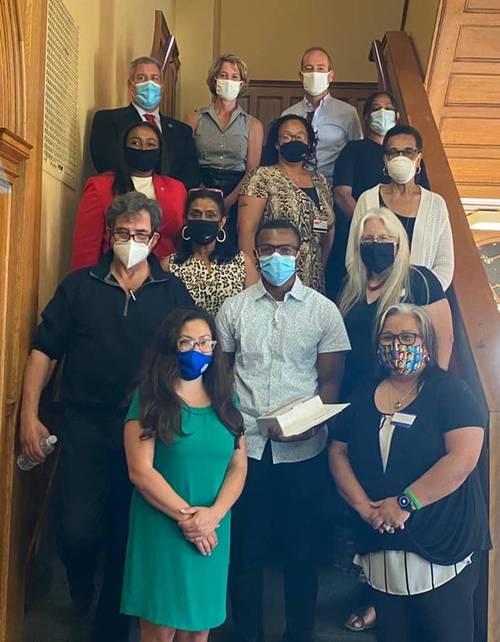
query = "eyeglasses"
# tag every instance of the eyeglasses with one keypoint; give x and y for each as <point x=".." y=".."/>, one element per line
<point x="138" y="237"/>
<point x="407" y="152"/>
<point x="405" y="338"/>
<point x="285" y="250"/>
<point x="193" y="190"/>
<point x="383" y="238"/>
<point x="288" y="138"/>
<point x="205" y="345"/>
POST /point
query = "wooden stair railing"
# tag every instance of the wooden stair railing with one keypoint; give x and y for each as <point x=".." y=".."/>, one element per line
<point x="165" y="50"/>
<point x="475" y="316"/>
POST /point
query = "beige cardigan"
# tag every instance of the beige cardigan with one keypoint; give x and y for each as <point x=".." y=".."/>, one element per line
<point x="432" y="244"/>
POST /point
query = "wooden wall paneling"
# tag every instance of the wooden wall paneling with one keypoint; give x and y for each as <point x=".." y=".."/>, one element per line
<point x="266" y="99"/>
<point x="476" y="171"/>
<point x="482" y="6"/>
<point x="475" y="132"/>
<point x="463" y="84"/>
<point x="473" y="89"/>
<point x="22" y="55"/>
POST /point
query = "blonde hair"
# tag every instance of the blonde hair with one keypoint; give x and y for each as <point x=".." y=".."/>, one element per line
<point x="216" y="66"/>
<point x="398" y="279"/>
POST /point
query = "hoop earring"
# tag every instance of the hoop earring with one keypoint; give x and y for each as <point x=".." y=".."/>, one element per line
<point x="419" y="169"/>
<point x="384" y="171"/>
<point x="186" y="238"/>
<point x="224" y="236"/>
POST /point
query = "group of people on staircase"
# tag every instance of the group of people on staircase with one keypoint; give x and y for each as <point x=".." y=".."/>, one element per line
<point x="216" y="276"/>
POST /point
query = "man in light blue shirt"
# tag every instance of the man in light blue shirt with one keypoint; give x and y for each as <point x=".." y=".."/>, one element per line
<point x="285" y="341"/>
<point x="335" y="121"/>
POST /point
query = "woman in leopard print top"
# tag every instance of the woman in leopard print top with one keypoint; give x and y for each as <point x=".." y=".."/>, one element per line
<point x="210" y="267"/>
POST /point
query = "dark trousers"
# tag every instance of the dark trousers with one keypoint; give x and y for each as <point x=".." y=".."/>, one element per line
<point x="278" y="511"/>
<point x="445" y="614"/>
<point x="94" y="497"/>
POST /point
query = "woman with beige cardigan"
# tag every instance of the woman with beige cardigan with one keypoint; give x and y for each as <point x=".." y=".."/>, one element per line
<point x="424" y="214"/>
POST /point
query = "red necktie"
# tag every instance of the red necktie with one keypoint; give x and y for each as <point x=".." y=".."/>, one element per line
<point x="151" y="119"/>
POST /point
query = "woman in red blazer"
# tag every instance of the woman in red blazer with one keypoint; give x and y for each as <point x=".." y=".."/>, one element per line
<point x="139" y="157"/>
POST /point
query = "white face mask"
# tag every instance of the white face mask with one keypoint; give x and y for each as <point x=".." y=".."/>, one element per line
<point x="382" y="120"/>
<point x="315" y="82"/>
<point x="401" y="169"/>
<point x="227" y="89"/>
<point x="130" y="252"/>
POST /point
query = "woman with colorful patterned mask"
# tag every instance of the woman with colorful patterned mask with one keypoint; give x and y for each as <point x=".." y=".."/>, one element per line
<point x="404" y="456"/>
<point x="379" y="275"/>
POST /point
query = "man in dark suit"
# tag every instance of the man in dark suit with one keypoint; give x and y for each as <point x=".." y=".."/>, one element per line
<point x="179" y="157"/>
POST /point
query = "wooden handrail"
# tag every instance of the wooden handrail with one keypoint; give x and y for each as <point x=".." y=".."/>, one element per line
<point x="476" y="306"/>
<point x="476" y="320"/>
<point x="377" y="56"/>
<point x="164" y="49"/>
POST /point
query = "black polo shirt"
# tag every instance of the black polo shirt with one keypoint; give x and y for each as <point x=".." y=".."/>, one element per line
<point x="102" y="332"/>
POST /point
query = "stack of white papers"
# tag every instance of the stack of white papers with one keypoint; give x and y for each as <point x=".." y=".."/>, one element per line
<point x="297" y="417"/>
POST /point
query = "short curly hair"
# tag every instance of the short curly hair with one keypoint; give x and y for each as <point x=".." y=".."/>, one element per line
<point x="216" y="66"/>
<point x="131" y="204"/>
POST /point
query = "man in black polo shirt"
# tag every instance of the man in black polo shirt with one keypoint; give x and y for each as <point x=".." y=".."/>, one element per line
<point x="100" y="321"/>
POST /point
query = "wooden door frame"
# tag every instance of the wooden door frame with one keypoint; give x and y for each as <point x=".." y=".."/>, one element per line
<point x="22" y="63"/>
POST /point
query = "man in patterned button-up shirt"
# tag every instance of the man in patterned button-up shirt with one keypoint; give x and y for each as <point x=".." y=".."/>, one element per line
<point x="286" y="342"/>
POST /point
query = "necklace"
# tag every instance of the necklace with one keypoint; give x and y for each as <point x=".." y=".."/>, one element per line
<point x="400" y="402"/>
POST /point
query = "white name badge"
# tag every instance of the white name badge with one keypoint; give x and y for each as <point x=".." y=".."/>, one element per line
<point x="402" y="420"/>
<point x="320" y="226"/>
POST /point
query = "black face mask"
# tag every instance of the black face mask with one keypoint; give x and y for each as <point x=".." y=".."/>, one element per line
<point x="144" y="160"/>
<point x="294" y="151"/>
<point x="202" y="232"/>
<point x="377" y="256"/>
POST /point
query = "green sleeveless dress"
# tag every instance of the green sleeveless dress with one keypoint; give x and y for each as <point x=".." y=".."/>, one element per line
<point x="167" y="581"/>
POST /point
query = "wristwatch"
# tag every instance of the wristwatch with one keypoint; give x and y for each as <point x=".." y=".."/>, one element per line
<point x="405" y="503"/>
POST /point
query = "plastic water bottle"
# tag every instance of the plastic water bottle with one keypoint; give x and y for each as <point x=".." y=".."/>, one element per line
<point x="47" y="444"/>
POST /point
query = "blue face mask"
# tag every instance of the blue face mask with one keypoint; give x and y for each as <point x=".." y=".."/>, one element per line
<point x="193" y="364"/>
<point x="147" y="94"/>
<point x="382" y="120"/>
<point x="277" y="269"/>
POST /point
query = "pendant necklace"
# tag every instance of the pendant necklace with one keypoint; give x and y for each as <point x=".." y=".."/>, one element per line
<point x="400" y="402"/>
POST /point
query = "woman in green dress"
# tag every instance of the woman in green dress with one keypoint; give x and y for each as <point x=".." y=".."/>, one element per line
<point x="187" y="460"/>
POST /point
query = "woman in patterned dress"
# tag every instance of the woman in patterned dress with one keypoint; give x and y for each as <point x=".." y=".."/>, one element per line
<point x="210" y="267"/>
<point x="288" y="186"/>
